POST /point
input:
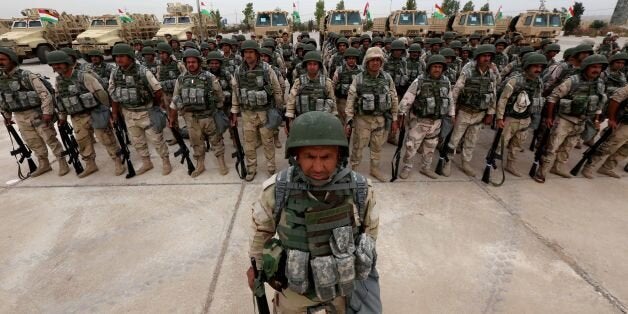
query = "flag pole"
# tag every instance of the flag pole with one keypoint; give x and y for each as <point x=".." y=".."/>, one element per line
<point x="200" y="20"/>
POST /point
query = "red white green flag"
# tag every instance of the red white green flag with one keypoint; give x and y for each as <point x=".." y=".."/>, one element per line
<point x="439" y="13"/>
<point x="204" y="9"/>
<point x="367" y="12"/>
<point x="46" y="15"/>
<point x="499" y="13"/>
<point x="124" y="17"/>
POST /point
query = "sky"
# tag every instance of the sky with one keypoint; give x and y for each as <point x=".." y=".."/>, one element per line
<point x="232" y="9"/>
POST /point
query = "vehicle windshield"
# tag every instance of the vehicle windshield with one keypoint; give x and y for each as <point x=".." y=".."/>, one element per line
<point x="170" y="20"/>
<point x="19" y="24"/>
<point x="405" y="19"/>
<point x="184" y="20"/>
<point x="263" y="19"/>
<point x="98" y="22"/>
<point x="420" y="18"/>
<point x="540" y="20"/>
<point x="353" y="18"/>
<point x="473" y="19"/>
<point x="487" y="19"/>
<point x="34" y="24"/>
<point x="111" y="22"/>
<point x="554" y="20"/>
<point x="338" y="19"/>
<point x="279" y="19"/>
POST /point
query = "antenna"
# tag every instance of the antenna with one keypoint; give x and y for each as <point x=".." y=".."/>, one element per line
<point x="542" y="6"/>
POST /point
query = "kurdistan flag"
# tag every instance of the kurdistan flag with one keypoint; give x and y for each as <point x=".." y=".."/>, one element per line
<point x="295" y="14"/>
<point x="124" y="16"/>
<point x="367" y="12"/>
<point x="499" y="13"/>
<point x="439" y="13"/>
<point x="570" y="13"/>
<point x="46" y="15"/>
<point x="204" y="9"/>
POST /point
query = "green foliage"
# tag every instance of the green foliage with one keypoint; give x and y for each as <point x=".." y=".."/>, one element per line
<point x="469" y="6"/>
<point x="249" y="15"/>
<point x="410" y="5"/>
<point x="320" y="12"/>
<point x="450" y="7"/>
<point x="340" y="5"/>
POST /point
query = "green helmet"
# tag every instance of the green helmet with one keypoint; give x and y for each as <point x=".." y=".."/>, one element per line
<point x="148" y="50"/>
<point x="241" y="37"/>
<point x="414" y="48"/>
<point x="398" y="45"/>
<point x="58" y="57"/>
<point x="417" y="40"/>
<point x="308" y="47"/>
<point x="249" y="44"/>
<point x="364" y="37"/>
<point x="524" y="50"/>
<point x="582" y="48"/>
<point x="517" y="38"/>
<point x="619" y="56"/>
<point x="552" y="47"/>
<point x="265" y="51"/>
<point x="268" y="43"/>
<point x="189" y="44"/>
<point x="501" y="41"/>
<point x="312" y="42"/>
<point x="342" y="40"/>
<point x="123" y="50"/>
<point x="477" y="36"/>
<point x="568" y="53"/>
<point x="71" y="52"/>
<point x="11" y="54"/>
<point x="593" y="59"/>
<point x="455" y="44"/>
<point x="312" y="56"/>
<point x="137" y="42"/>
<point x="226" y="41"/>
<point x="163" y="47"/>
<point x="429" y="41"/>
<point x="316" y="128"/>
<point x="192" y="53"/>
<point x="215" y="55"/>
<point x="482" y="49"/>
<point x="449" y="35"/>
<point x="147" y="43"/>
<point x="447" y="52"/>
<point x="332" y="35"/>
<point x="534" y="58"/>
<point x="436" y="59"/>
<point x="351" y="52"/>
<point x="389" y="40"/>
<point x="204" y="46"/>
<point x="95" y="53"/>
<point x="377" y="40"/>
<point x="437" y="41"/>
<point x="546" y="41"/>
<point x="211" y="40"/>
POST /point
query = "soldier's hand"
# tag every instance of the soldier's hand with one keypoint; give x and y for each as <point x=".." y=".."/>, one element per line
<point x="250" y="276"/>
<point x="613" y="124"/>
<point x="549" y="122"/>
<point x="500" y="123"/>
<point x="488" y="120"/>
<point x="7" y="121"/>
<point x="61" y="121"/>
<point x="395" y="126"/>
<point x="46" y="118"/>
<point x="233" y="118"/>
<point x="597" y="124"/>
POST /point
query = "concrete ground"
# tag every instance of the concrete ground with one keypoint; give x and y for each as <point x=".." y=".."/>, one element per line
<point x="155" y="244"/>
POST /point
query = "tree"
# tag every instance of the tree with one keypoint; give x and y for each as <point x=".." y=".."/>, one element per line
<point x="320" y="12"/>
<point x="468" y="7"/>
<point x="573" y="23"/>
<point x="249" y="15"/>
<point x="598" y="24"/>
<point x="485" y="7"/>
<point x="410" y="5"/>
<point x="218" y="18"/>
<point x="340" y="5"/>
<point x="450" y="7"/>
<point x="310" y="25"/>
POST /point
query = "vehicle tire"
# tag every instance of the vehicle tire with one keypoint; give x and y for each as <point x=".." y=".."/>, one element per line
<point x="42" y="52"/>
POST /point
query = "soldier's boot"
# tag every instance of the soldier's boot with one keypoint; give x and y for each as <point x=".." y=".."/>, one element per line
<point x="43" y="167"/>
<point x="271" y="170"/>
<point x="222" y="166"/>
<point x="467" y="169"/>
<point x="447" y="168"/>
<point x="63" y="167"/>
<point x="376" y="173"/>
<point x="277" y="141"/>
<point x="587" y="172"/>
<point x="608" y="172"/>
<point x="250" y="175"/>
<point x="119" y="166"/>
<point x="405" y="173"/>
<point x="147" y="164"/>
<point x="429" y="173"/>
<point x="510" y="168"/>
<point x="559" y="171"/>
<point x="200" y="167"/>
<point x="166" y="166"/>
<point x="90" y="167"/>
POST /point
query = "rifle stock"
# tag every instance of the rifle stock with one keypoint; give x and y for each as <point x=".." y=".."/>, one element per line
<point x="491" y="156"/>
<point x="588" y="154"/>
<point x="22" y="150"/>
<point x="71" y="147"/>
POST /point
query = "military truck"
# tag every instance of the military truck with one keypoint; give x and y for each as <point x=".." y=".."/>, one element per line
<point x="533" y="25"/>
<point x="180" y="20"/>
<point x="5" y="25"/>
<point x="470" y="22"/>
<point x="107" y="30"/>
<point x="30" y="36"/>
<point x="344" y="22"/>
<point x="409" y="23"/>
<point x="272" y="23"/>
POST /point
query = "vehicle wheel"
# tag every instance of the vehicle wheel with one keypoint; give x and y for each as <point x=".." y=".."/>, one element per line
<point x="42" y="52"/>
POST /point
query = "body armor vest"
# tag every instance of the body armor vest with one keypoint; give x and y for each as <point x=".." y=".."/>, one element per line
<point x="373" y="93"/>
<point x="168" y="74"/>
<point x="17" y="93"/>
<point x="72" y="95"/>
<point x="224" y="78"/>
<point x="197" y="94"/>
<point x="433" y="98"/>
<point x="312" y="94"/>
<point x="397" y="68"/>
<point x="415" y="68"/>
<point x="478" y="91"/>
<point x="584" y="99"/>
<point x="613" y="81"/>
<point x="103" y="70"/>
<point x="519" y="108"/>
<point x="345" y="78"/>
<point x="255" y="86"/>
<point x="132" y="90"/>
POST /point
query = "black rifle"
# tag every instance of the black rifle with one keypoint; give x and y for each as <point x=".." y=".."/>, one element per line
<point x="588" y="154"/>
<point x="124" y="153"/>
<point x="397" y="156"/>
<point x="183" y="150"/>
<point x="23" y="151"/>
<point x="540" y="151"/>
<point x="71" y="146"/>
<point x="491" y="157"/>
<point x="535" y="134"/>
<point x="443" y="156"/>
<point x="258" y="290"/>
<point x="238" y="154"/>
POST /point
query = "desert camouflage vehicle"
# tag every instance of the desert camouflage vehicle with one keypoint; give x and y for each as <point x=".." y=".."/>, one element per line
<point x="470" y="22"/>
<point x="5" y="25"/>
<point x="533" y="25"/>
<point x="107" y="30"/>
<point x="344" y="22"/>
<point x="180" y="20"/>
<point x="409" y="23"/>
<point x="272" y="23"/>
<point x="30" y="36"/>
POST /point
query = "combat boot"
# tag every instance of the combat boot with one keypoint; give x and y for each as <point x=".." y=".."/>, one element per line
<point x="166" y="166"/>
<point x="429" y="173"/>
<point x="466" y="168"/>
<point x="587" y="172"/>
<point x="119" y="166"/>
<point x="608" y="172"/>
<point x="200" y="167"/>
<point x="222" y="166"/>
<point x="147" y="164"/>
<point x="447" y="168"/>
<point x="405" y="173"/>
<point x="63" y="167"/>
<point x="277" y="141"/>
<point x="559" y="171"/>
<point x="250" y="176"/>
<point x="90" y="167"/>
<point x="510" y="168"/>
<point x="44" y="166"/>
<point x="376" y="173"/>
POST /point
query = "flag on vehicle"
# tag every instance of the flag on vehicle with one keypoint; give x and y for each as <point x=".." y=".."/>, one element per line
<point x="296" y="18"/>
<point x="439" y="13"/>
<point x="124" y="17"/>
<point x="367" y="11"/>
<point x="46" y="15"/>
<point x="499" y="13"/>
<point x="204" y="9"/>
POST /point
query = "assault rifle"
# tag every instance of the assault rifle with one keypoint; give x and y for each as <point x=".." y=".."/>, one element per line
<point x="23" y="151"/>
<point x="183" y="150"/>
<point x="71" y="146"/>
<point x="443" y="157"/>
<point x="397" y="156"/>
<point x="588" y="154"/>
<point x="492" y="156"/>
<point x="238" y="154"/>
<point x="540" y="151"/>
<point x="124" y="153"/>
<point x="258" y="290"/>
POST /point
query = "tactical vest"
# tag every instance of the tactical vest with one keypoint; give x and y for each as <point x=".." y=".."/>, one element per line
<point x="72" y="95"/>
<point x="178" y="54"/>
<point x="230" y="63"/>
<point x="584" y="99"/>
<point x="521" y="109"/>
<point x="286" y="51"/>
<point x="415" y="68"/>
<point x="197" y="94"/>
<point x="255" y="87"/>
<point x="433" y="98"/>
<point x="345" y="78"/>
<point x="224" y="78"/>
<point x="373" y="93"/>
<point x="500" y="60"/>
<point x="605" y="49"/>
<point x="451" y="73"/>
<point x="337" y="60"/>
<point x="613" y="81"/>
<point x="103" y="70"/>
<point x="17" y="93"/>
<point x="168" y="74"/>
<point x="478" y="91"/>
<point x="397" y="68"/>
<point x="152" y="67"/>
<point x="312" y="95"/>
<point x="132" y="90"/>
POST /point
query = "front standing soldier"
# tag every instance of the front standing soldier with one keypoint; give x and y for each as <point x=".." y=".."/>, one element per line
<point x="426" y="102"/>
<point x="311" y="91"/>
<point x="136" y="93"/>
<point x="81" y="96"/>
<point x="474" y="97"/>
<point x="316" y="193"/>
<point x="198" y="96"/>
<point x="372" y="100"/>
<point x="342" y="80"/>
<point x="99" y="66"/>
<point x="256" y="89"/>
<point x="519" y="100"/>
<point x="580" y="97"/>
<point x="25" y="98"/>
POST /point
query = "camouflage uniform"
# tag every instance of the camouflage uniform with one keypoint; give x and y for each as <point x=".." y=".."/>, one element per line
<point x="342" y="81"/>
<point x="167" y="74"/>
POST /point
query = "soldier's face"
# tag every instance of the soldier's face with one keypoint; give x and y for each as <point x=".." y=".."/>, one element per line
<point x="164" y="56"/>
<point x="351" y="61"/>
<point x="205" y="52"/>
<point x="123" y="61"/>
<point x="342" y="48"/>
<point x="534" y="70"/>
<point x="551" y="54"/>
<point x="397" y="53"/>
<point x="95" y="60"/>
<point x="474" y="42"/>
<point x="435" y="48"/>
<point x="250" y="55"/>
<point x="318" y="162"/>
<point x="374" y="65"/>
<point x="191" y="64"/>
<point x="355" y="45"/>
<point x="449" y="60"/>
<point x="60" y="68"/>
<point x="312" y="67"/>
<point x="285" y="38"/>
<point x="500" y="48"/>
<point x="414" y="54"/>
<point x="436" y="70"/>
<point x="593" y="71"/>
<point x="138" y="47"/>
<point x="188" y="36"/>
<point x="214" y="65"/>
<point x="618" y="65"/>
<point x="388" y="46"/>
<point x="226" y="48"/>
<point x="484" y="59"/>
<point x="265" y="58"/>
<point x="465" y="54"/>
<point x="583" y="55"/>
<point x="212" y="47"/>
<point x="5" y="63"/>
<point x="150" y="58"/>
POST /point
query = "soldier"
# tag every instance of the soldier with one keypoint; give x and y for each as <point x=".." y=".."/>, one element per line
<point x="342" y="80"/>
<point x="435" y="45"/>
<point x="256" y="89"/>
<point x="543" y="44"/>
<point x="198" y="96"/>
<point x="81" y="96"/>
<point x="365" y="42"/>
<point x="136" y="93"/>
<point x="98" y="65"/>
<point x="176" y="49"/>
<point x="450" y="70"/>
<point x="614" y="77"/>
<point x="474" y="40"/>
<point x="299" y="68"/>
<point x="276" y="59"/>
<point x="212" y="44"/>
<point x="550" y="52"/>
<point x="465" y="56"/>
<point x="474" y="96"/>
<point x="168" y="71"/>
<point x="371" y="102"/>
<point x="397" y="67"/>
<point x="501" y="59"/>
<point x="214" y="63"/>
<point x="148" y="53"/>
<point x="416" y="66"/>
<point x="312" y="91"/>
<point x="231" y="59"/>
<point x="189" y="37"/>
<point x="343" y="201"/>
<point x="580" y="97"/>
<point x="189" y="45"/>
<point x="556" y="73"/>
<point x="605" y="48"/>
<point x="427" y="100"/>
<point x="138" y="45"/>
<point x="266" y="56"/>
<point x="513" y="50"/>
<point x="519" y="100"/>
<point x="516" y="65"/>
<point x="448" y="37"/>
<point x="74" y="56"/>
<point x="25" y="98"/>
<point x="218" y="40"/>
<point x="287" y="49"/>
<point x="615" y="148"/>
<point x="378" y="42"/>
<point x="337" y="59"/>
